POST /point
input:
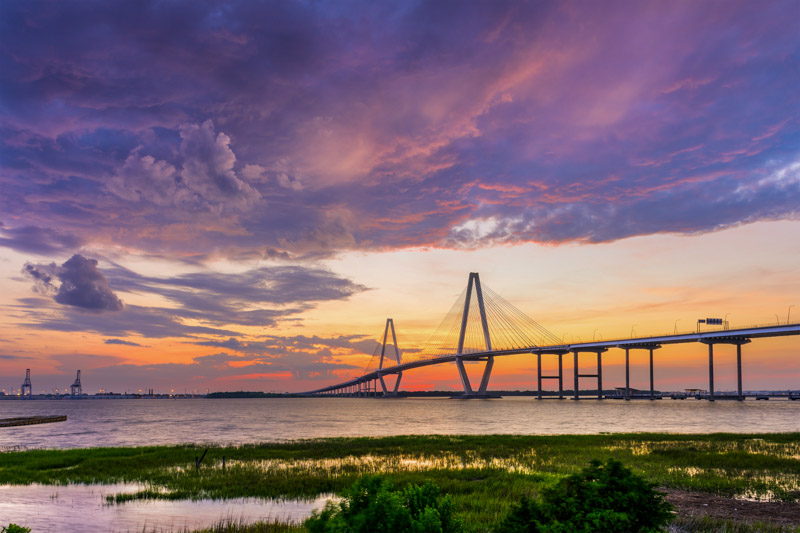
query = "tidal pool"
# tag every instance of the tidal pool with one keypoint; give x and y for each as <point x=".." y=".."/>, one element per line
<point x="83" y="509"/>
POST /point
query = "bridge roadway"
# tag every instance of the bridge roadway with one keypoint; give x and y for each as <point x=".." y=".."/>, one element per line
<point x="735" y="337"/>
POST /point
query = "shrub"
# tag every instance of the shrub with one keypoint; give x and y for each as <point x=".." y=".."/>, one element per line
<point x="373" y="505"/>
<point x="14" y="528"/>
<point x="602" y="497"/>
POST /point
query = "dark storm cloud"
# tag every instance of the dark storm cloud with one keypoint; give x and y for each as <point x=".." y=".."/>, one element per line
<point x="311" y="128"/>
<point x="82" y="285"/>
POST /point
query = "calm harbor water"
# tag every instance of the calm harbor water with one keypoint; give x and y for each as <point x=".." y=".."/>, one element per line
<point x="83" y="509"/>
<point x="235" y="421"/>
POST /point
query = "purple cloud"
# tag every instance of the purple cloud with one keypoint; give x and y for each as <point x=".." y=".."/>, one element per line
<point x="35" y="240"/>
<point x="306" y="129"/>
<point x="82" y="284"/>
<point x="213" y="302"/>
<point x="121" y="342"/>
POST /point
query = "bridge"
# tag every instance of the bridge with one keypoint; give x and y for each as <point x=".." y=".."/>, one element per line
<point x="482" y="325"/>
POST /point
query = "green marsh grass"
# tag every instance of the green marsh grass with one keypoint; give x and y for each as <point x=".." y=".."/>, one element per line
<point x="483" y="474"/>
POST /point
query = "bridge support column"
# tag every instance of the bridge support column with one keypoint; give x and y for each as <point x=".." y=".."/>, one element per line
<point x="393" y="392"/>
<point x="487" y="372"/>
<point x="539" y="376"/>
<point x="710" y="371"/>
<point x="599" y="375"/>
<point x="464" y="377"/>
<point x="560" y="376"/>
<point x="644" y="346"/>
<point x="474" y="282"/>
<point x="627" y="375"/>
<point x="575" y="390"/>
<point x="738" y="341"/>
<point x="739" y="372"/>
<point x="389" y="327"/>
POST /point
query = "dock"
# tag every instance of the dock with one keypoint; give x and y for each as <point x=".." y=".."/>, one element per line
<point x="30" y="420"/>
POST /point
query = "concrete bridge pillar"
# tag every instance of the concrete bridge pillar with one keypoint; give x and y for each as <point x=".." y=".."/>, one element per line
<point x="560" y="376"/>
<point x="628" y="348"/>
<point x="598" y="375"/>
<point x="737" y="341"/>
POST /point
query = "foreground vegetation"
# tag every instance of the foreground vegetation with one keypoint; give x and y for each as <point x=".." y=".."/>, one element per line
<point x="483" y="475"/>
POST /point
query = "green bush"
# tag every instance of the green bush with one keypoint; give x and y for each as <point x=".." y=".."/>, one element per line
<point x="601" y="498"/>
<point x="14" y="528"/>
<point x="373" y="505"/>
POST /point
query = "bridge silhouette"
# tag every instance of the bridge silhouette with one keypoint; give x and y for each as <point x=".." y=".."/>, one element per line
<point x="482" y="325"/>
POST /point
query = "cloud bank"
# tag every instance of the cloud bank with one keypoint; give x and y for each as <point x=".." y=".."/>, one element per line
<point x="308" y="129"/>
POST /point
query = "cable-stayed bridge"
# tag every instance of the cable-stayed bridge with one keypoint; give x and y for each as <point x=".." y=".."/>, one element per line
<point x="482" y="325"/>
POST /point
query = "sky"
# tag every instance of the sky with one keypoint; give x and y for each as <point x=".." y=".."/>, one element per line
<point x="236" y="195"/>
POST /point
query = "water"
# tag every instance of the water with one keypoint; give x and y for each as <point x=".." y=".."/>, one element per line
<point x="83" y="509"/>
<point x="234" y="421"/>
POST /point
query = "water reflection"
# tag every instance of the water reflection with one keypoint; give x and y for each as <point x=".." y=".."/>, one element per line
<point x="83" y="509"/>
<point x="235" y="421"/>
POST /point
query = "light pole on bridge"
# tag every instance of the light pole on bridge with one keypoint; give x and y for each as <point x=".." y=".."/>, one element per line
<point x="788" y="312"/>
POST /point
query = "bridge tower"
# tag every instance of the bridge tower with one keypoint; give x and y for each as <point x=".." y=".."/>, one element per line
<point x="76" y="391"/>
<point x="389" y="325"/>
<point x="474" y="282"/>
<point x="27" y="388"/>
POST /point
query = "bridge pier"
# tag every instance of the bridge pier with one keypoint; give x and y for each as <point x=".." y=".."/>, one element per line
<point x="389" y="327"/>
<point x="386" y="391"/>
<point x="627" y="348"/>
<point x="598" y="375"/>
<point x="559" y="376"/>
<point x="738" y="341"/>
<point x="474" y="281"/>
<point x="469" y="392"/>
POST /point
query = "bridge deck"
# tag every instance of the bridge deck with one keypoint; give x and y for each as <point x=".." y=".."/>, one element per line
<point x="721" y="336"/>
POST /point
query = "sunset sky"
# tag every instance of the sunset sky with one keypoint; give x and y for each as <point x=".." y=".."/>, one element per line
<point x="236" y="195"/>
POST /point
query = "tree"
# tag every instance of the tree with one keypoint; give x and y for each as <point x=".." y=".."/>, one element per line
<point x="602" y="497"/>
<point x="373" y="505"/>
